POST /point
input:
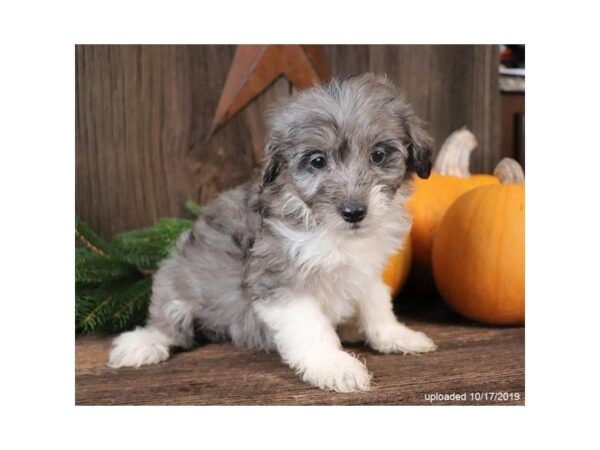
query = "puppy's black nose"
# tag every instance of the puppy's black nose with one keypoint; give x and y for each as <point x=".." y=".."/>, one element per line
<point x="353" y="213"/>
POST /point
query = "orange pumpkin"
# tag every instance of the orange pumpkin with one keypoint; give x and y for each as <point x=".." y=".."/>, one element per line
<point x="479" y="250"/>
<point x="449" y="179"/>
<point x="397" y="269"/>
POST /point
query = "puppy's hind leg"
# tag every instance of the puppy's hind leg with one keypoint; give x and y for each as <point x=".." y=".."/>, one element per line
<point x="169" y="325"/>
<point x="147" y="345"/>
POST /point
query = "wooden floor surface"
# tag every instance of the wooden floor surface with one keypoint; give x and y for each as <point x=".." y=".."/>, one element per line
<point x="479" y="362"/>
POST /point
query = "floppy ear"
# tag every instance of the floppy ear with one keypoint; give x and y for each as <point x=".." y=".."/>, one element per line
<point x="419" y="148"/>
<point x="272" y="169"/>
<point x="273" y="165"/>
<point x="417" y="140"/>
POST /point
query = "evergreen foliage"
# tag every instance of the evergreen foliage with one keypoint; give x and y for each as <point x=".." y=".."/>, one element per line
<point x="193" y="207"/>
<point x="113" y="280"/>
<point x="145" y="248"/>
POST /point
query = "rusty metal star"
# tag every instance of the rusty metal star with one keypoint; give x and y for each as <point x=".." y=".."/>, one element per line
<point x="256" y="67"/>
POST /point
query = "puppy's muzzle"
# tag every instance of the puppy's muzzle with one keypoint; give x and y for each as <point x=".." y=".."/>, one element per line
<point x="353" y="213"/>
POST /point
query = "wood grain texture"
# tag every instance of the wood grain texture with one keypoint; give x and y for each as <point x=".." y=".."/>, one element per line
<point x="141" y="123"/>
<point x="449" y="86"/>
<point x="471" y="358"/>
<point x="143" y="113"/>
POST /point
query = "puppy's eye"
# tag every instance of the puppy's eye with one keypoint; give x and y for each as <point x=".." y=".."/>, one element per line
<point x="377" y="156"/>
<point x="318" y="161"/>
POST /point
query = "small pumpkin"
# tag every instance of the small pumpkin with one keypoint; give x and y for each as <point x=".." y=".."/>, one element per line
<point x="449" y="179"/>
<point x="398" y="268"/>
<point x="479" y="250"/>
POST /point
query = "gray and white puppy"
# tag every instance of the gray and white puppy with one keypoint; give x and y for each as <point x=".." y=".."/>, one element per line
<point x="281" y="262"/>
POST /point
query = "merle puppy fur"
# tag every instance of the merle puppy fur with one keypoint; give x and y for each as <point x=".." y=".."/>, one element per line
<point x="282" y="262"/>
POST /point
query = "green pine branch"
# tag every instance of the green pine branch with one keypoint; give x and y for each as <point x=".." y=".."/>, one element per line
<point x="193" y="207"/>
<point x="92" y="306"/>
<point x="94" y="268"/>
<point x="131" y="307"/>
<point x="145" y="248"/>
<point x="89" y="239"/>
<point x="112" y="306"/>
<point x="113" y="280"/>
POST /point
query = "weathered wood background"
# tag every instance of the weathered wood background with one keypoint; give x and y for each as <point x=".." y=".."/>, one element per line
<point x="142" y="113"/>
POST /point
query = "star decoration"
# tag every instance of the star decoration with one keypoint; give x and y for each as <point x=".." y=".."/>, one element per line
<point x="256" y="67"/>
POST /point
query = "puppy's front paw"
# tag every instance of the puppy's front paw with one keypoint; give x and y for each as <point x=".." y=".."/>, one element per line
<point x="339" y="372"/>
<point x="400" y="339"/>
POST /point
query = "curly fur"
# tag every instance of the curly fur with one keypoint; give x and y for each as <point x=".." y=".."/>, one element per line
<point x="273" y="264"/>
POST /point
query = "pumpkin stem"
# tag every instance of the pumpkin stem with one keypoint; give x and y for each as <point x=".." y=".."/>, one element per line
<point x="509" y="171"/>
<point x="453" y="157"/>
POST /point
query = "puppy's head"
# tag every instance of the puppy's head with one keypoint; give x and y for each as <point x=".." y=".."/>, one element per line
<point x="338" y="154"/>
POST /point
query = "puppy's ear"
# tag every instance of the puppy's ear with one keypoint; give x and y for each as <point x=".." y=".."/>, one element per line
<point x="271" y="172"/>
<point x="416" y="139"/>
<point x="273" y="164"/>
<point x="419" y="148"/>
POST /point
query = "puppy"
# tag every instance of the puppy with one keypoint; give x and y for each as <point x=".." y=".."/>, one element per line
<point x="277" y="264"/>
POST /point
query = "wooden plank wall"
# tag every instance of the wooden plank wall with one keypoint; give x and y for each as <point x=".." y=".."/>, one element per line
<point x="142" y="113"/>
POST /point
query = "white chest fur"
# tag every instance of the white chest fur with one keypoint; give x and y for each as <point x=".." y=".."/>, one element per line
<point x="338" y="267"/>
<point x="337" y="270"/>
